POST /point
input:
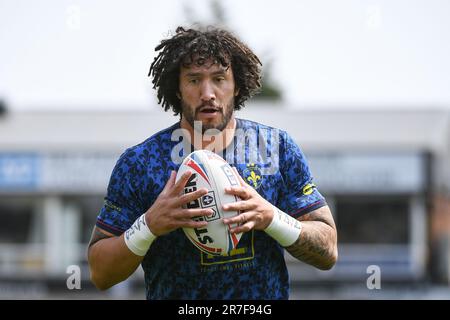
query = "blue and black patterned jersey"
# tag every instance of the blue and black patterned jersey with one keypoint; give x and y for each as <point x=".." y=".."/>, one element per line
<point x="268" y="159"/>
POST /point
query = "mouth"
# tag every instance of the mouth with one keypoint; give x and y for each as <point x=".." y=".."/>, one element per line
<point x="209" y="109"/>
<point x="209" y="112"/>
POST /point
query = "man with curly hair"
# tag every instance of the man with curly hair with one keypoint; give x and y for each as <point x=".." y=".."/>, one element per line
<point x="204" y="75"/>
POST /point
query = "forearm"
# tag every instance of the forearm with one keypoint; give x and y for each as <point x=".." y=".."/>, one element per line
<point x="311" y="238"/>
<point x="316" y="245"/>
<point x="110" y="262"/>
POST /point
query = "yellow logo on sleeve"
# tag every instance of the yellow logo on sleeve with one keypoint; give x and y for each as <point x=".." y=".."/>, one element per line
<point x="308" y="189"/>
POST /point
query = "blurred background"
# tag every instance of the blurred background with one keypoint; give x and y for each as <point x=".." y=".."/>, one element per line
<point x="362" y="85"/>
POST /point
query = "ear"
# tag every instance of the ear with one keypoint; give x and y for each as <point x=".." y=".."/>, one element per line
<point x="236" y="92"/>
<point x="178" y="95"/>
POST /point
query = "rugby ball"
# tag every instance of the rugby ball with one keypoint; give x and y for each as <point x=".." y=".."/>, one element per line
<point x="212" y="172"/>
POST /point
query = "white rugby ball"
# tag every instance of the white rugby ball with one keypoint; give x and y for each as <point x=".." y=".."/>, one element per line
<point x="212" y="172"/>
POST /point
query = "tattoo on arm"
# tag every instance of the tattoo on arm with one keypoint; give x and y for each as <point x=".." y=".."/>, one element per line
<point x="317" y="244"/>
<point x="98" y="235"/>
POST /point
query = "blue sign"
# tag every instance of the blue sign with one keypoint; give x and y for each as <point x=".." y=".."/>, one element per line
<point x="18" y="171"/>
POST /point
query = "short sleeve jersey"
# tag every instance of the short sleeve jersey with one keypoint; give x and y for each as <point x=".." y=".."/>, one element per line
<point x="268" y="160"/>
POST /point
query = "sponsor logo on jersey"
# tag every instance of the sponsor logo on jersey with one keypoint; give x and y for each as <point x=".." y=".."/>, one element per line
<point x="244" y="250"/>
<point x="308" y="189"/>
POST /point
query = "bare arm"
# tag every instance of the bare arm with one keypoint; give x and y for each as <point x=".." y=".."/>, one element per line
<point x="110" y="260"/>
<point x="317" y="243"/>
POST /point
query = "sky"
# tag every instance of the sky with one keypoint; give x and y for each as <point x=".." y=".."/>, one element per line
<point x="95" y="55"/>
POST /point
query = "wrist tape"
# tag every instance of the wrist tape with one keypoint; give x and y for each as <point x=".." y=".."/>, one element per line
<point x="284" y="228"/>
<point x="139" y="237"/>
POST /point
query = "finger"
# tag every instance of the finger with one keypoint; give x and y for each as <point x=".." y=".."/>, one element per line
<point x="189" y="223"/>
<point x="193" y="213"/>
<point x="238" y="206"/>
<point x="178" y="187"/>
<point x="241" y="192"/>
<point x="239" y="219"/>
<point x="171" y="181"/>
<point x="249" y="225"/>
<point x="189" y="197"/>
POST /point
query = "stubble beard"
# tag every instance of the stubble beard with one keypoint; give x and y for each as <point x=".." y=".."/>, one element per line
<point x="191" y="117"/>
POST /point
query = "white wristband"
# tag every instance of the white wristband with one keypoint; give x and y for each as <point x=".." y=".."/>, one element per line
<point x="284" y="228"/>
<point x="139" y="237"/>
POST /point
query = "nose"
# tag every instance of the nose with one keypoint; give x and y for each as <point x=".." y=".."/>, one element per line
<point x="207" y="92"/>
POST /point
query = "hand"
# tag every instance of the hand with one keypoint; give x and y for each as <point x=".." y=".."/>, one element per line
<point x="167" y="214"/>
<point x="256" y="212"/>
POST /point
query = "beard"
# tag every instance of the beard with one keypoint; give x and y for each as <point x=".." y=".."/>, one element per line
<point x="192" y="115"/>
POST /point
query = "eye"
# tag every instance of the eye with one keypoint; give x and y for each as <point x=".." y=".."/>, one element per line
<point x="193" y="80"/>
<point x="220" y="79"/>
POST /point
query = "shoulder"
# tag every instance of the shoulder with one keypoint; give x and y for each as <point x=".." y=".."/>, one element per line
<point x="250" y="124"/>
<point x="285" y="142"/>
<point x="149" y="150"/>
<point x="245" y="124"/>
<point x="143" y="168"/>
<point x="284" y="136"/>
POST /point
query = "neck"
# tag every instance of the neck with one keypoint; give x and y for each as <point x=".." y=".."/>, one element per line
<point x="216" y="142"/>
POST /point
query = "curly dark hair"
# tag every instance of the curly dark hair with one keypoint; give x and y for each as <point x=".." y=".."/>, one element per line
<point x="198" y="46"/>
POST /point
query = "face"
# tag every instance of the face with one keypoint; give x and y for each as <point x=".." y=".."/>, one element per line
<point x="207" y="94"/>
